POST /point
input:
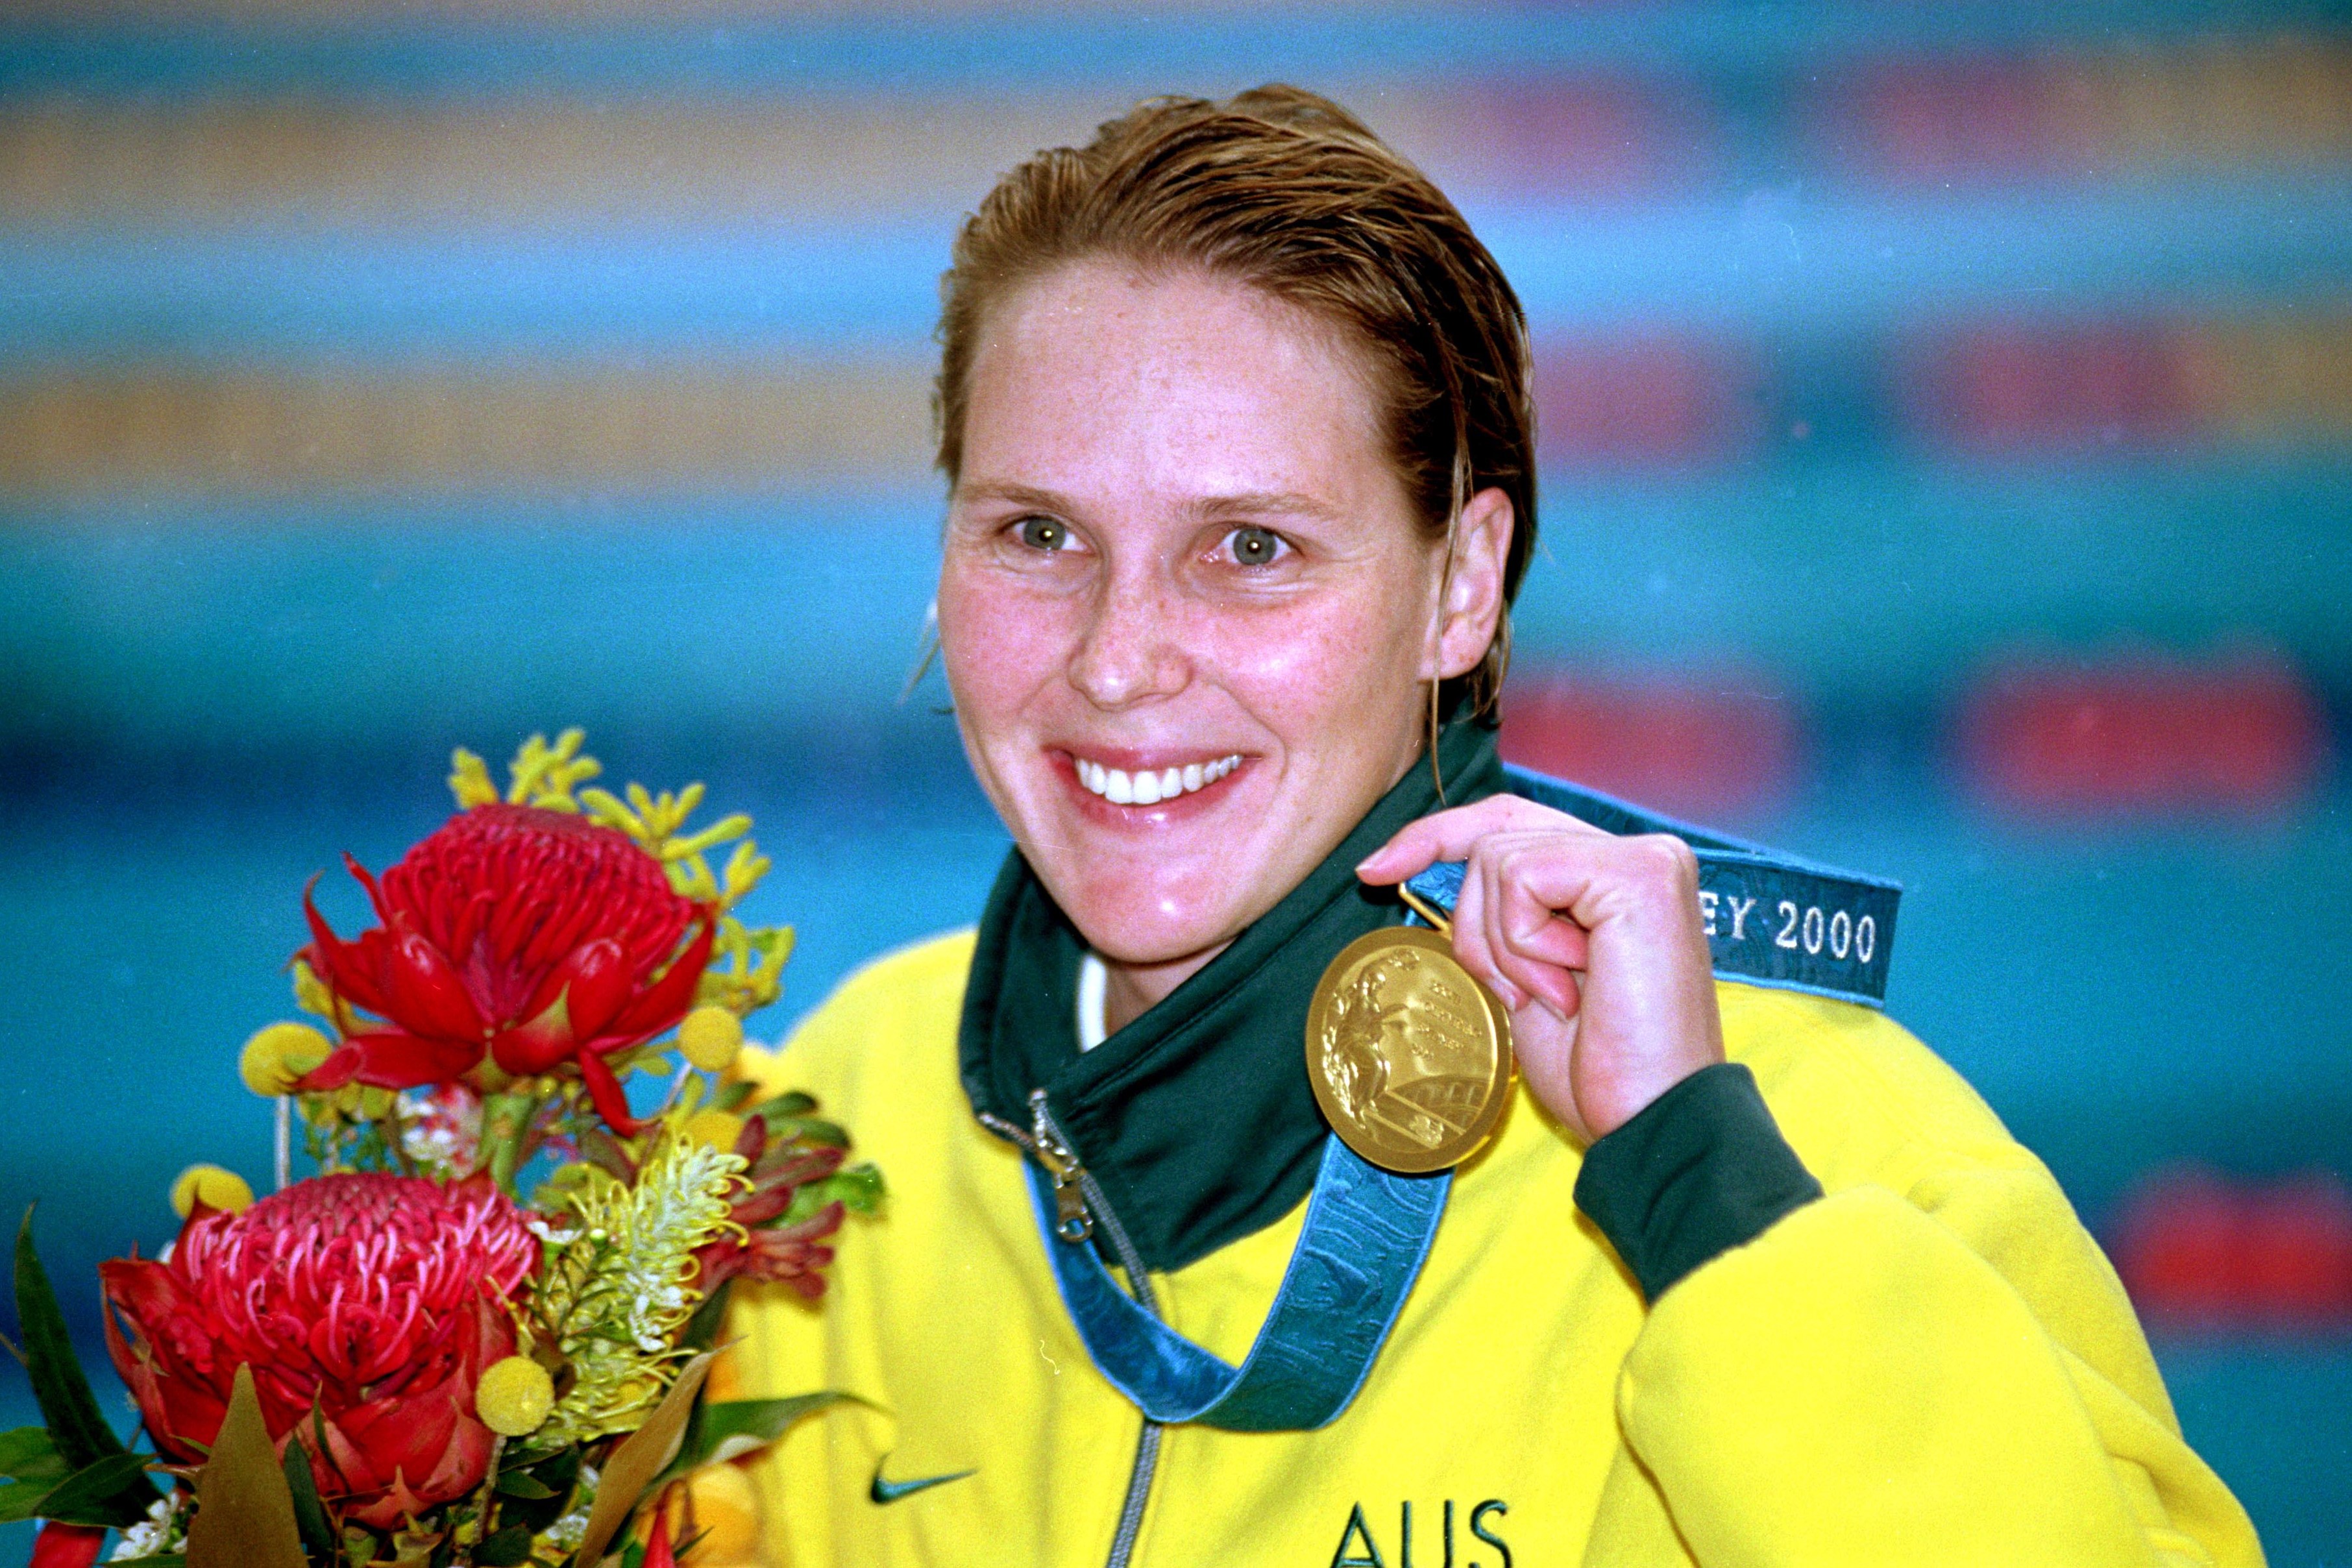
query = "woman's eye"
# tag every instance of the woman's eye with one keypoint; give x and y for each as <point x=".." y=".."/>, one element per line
<point x="1043" y="533"/>
<point x="1253" y="546"/>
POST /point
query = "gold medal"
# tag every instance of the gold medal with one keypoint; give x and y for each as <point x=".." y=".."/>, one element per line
<point x="1410" y="1056"/>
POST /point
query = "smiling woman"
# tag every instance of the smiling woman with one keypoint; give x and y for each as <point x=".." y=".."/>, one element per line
<point x="1730" y="1269"/>
<point x="1178" y="539"/>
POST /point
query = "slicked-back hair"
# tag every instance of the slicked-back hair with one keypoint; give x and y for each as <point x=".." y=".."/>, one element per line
<point x="1286" y="191"/>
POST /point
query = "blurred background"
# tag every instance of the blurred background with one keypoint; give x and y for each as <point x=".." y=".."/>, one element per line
<point x="1947" y="437"/>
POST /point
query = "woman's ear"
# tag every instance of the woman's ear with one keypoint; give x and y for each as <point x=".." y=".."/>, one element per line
<point x="1471" y="604"/>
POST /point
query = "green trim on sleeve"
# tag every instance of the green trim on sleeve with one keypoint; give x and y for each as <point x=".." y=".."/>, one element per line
<point x="1700" y="1170"/>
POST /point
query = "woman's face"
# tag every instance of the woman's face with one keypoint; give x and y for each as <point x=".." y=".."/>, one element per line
<point x="1184" y="609"/>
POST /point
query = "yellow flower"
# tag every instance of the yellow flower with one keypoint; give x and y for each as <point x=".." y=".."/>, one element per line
<point x="514" y="1397"/>
<point x="618" y="1277"/>
<point x="725" y="1507"/>
<point x="215" y="1187"/>
<point x="469" y="780"/>
<point x="709" y="1037"/>
<point x="279" y="1054"/>
<point x="718" y="1128"/>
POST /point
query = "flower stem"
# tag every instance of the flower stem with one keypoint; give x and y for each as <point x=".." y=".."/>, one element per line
<point x="486" y="1510"/>
<point x="676" y="1087"/>
<point x="506" y="1129"/>
<point x="395" y="1148"/>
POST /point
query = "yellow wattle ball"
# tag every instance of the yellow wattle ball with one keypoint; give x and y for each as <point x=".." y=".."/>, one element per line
<point x="709" y="1037"/>
<point x="514" y="1397"/>
<point x="214" y="1186"/>
<point x="277" y="1054"/>
<point x="720" y="1128"/>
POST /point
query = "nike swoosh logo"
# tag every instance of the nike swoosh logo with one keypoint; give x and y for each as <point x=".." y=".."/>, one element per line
<point x="883" y="1491"/>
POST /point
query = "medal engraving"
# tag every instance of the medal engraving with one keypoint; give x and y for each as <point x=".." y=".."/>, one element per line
<point x="1409" y="1056"/>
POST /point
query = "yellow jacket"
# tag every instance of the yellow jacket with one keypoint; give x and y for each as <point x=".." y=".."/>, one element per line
<point x="1931" y="1365"/>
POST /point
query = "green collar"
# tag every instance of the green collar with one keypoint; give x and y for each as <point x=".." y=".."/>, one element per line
<point x="1196" y="1119"/>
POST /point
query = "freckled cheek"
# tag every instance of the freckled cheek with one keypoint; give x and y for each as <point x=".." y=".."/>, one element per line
<point x="1318" y="670"/>
<point x="1000" y="646"/>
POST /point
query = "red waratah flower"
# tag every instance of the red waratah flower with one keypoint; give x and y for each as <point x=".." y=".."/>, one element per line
<point x="534" y="936"/>
<point x="376" y="1300"/>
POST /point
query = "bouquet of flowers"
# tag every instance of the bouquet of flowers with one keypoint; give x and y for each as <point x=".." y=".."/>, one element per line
<point x="479" y="1334"/>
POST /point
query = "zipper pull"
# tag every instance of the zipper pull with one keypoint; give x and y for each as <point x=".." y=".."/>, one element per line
<point x="1072" y="1223"/>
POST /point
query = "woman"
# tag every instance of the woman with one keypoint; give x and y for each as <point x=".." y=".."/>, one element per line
<point x="1234" y="417"/>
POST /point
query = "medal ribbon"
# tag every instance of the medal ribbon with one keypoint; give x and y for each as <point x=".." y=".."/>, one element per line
<point x="1366" y="1235"/>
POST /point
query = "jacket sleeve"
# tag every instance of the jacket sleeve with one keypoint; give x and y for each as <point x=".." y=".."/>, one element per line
<point x="1950" y="1373"/>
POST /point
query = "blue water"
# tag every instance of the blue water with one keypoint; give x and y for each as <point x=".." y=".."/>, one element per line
<point x="1215" y="50"/>
<point x="290" y="292"/>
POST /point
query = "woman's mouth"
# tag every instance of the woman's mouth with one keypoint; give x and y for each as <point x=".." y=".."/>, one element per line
<point x="1147" y="786"/>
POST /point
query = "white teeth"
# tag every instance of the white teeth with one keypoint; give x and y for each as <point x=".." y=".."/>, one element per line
<point x="1122" y="788"/>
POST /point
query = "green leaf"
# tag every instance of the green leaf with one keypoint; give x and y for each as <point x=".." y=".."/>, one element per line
<point x="505" y="1549"/>
<point x="861" y="1187"/>
<point x="519" y="1455"/>
<point x="96" y="1494"/>
<point x="554" y="1476"/>
<point x="523" y="1484"/>
<point x="76" y="1429"/>
<point x="784" y="1106"/>
<point x="858" y="1188"/>
<point x="21" y="1500"/>
<point x="309" y="1515"/>
<point x="811" y="1130"/>
<point x="26" y="1453"/>
<point x="702" y="1329"/>
<point x="732" y="1428"/>
<point x="76" y="1426"/>
<point x="602" y="1150"/>
<point x="731" y="1097"/>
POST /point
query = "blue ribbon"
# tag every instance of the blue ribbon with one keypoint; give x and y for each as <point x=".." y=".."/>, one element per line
<point x="1771" y="919"/>
<point x="1367" y="1233"/>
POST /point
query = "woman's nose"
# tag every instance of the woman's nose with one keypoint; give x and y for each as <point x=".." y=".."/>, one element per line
<point x="1130" y="650"/>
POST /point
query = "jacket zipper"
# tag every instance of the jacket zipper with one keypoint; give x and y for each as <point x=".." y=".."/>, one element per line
<point x="1078" y="1207"/>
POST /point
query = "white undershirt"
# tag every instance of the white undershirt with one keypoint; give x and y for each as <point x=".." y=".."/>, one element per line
<point x="1093" y="975"/>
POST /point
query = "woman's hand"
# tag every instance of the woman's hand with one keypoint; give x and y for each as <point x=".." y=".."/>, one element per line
<point x="1593" y="942"/>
